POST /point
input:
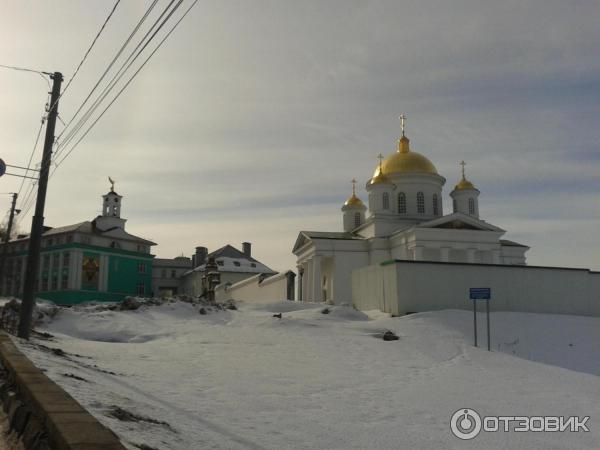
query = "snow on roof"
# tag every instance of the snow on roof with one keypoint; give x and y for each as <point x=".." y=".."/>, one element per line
<point x="239" y="265"/>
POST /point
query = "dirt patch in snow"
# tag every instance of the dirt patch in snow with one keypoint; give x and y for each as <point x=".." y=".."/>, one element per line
<point x="127" y="416"/>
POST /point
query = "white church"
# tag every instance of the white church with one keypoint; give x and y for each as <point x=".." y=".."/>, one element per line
<point x="405" y="221"/>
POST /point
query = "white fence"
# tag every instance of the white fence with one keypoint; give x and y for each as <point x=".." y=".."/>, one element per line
<point x="259" y="289"/>
<point x="400" y="287"/>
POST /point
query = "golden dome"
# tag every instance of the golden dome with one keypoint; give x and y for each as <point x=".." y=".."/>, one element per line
<point x="464" y="184"/>
<point x="354" y="201"/>
<point x="405" y="161"/>
<point x="380" y="178"/>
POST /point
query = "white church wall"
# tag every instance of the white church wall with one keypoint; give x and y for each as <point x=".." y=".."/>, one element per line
<point x="343" y="265"/>
<point x="423" y="286"/>
<point x="375" y="288"/>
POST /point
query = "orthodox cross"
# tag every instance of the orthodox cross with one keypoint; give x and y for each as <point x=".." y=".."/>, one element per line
<point x="380" y="156"/>
<point x="463" y="164"/>
<point x="353" y="186"/>
<point x="402" y="122"/>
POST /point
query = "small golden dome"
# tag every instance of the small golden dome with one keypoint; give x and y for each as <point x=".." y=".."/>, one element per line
<point x="464" y="184"/>
<point x="405" y="161"/>
<point x="353" y="200"/>
<point x="380" y="178"/>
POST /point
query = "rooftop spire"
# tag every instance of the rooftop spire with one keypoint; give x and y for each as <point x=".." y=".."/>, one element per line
<point x="403" y="146"/>
<point x="380" y="156"/>
<point x="402" y="123"/>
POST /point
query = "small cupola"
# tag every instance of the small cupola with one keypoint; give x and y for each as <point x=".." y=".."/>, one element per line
<point x="465" y="196"/>
<point x="111" y="202"/>
<point x="353" y="211"/>
<point x="111" y="210"/>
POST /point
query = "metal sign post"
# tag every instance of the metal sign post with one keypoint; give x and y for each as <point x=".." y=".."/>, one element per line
<point x="481" y="294"/>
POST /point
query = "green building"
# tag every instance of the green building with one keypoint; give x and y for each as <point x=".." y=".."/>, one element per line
<point x="92" y="260"/>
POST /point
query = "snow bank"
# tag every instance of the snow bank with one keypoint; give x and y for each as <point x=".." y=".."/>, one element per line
<point x="247" y="379"/>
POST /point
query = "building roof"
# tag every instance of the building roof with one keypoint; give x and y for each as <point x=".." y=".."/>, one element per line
<point x="230" y="259"/>
<point x="330" y="235"/>
<point x="229" y="251"/>
<point x="508" y="243"/>
<point x="181" y="262"/>
<point x="305" y="236"/>
<point x="88" y="227"/>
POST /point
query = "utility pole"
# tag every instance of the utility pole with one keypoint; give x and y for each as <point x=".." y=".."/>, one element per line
<point x="7" y="238"/>
<point x="37" y="222"/>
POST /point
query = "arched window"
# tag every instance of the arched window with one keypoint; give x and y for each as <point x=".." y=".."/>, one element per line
<point x="420" y="203"/>
<point x="402" y="203"/>
<point x="435" y="205"/>
<point x="386" y="200"/>
<point x="356" y="220"/>
<point x="471" y="206"/>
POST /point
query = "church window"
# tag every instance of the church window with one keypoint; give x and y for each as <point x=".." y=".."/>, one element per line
<point x="253" y="265"/>
<point x="386" y="200"/>
<point x="173" y="274"/>
<point x="141" y="287"/>
<point x="236" y="263"/>
<point x="356" y="220"/>
<point x="420" y="203"/>
<point x="435" y="205"/>
<point x="454" y="205"/>
<point x="141" y="267"/>
<point x="471" y="206"/>
<point x="219" y="263"/>
<point x="402" y="203"/>
<point x="116" y="200"/>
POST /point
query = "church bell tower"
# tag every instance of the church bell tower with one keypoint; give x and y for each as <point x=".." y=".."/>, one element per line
<point x="111" y="210"/>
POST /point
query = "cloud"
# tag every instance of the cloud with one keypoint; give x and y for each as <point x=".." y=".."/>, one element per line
<point x="251" y="120"/>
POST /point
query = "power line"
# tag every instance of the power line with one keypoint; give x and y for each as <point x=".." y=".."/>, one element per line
<point x="89" y="49"/>
<point x="134" y="75"/>
<point x="31" y="156"/>
<point x="135" y="30"/>
<point x="116" y="78"/>
<point x="24" y="69"/>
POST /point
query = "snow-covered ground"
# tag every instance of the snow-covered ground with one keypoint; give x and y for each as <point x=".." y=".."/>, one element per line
<point x="246" y="379"/>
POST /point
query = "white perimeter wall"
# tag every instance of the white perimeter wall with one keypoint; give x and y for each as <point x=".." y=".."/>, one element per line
<point x="273" y="288"/>
<point x="413" y="286"/>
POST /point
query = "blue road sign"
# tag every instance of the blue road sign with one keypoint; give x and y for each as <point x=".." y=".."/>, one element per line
<point x="480" y="293"/>
<point x="2" y="167"/>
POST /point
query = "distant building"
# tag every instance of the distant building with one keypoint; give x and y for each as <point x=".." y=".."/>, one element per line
<point x="91" y="260"/>
<point x="167" y="275"/>
<point x="234" y="265"/>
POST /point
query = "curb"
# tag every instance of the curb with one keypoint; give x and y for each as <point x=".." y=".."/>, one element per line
<point x="43" y="414"/>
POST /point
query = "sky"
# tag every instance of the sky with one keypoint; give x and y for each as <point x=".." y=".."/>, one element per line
<point x="250" y="121"/>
